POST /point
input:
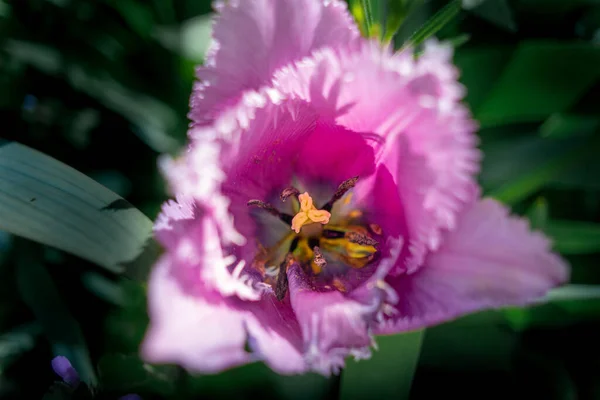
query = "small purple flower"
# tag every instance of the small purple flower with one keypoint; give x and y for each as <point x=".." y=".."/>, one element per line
<point x="130" y="397"/>
<point x="63" y="368"/>
<point x="328" y="194"/>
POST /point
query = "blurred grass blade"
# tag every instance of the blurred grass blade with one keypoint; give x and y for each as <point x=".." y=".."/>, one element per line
<point x="389" y="372"/>
<point x="435" y="23"/>
<point x="363" y="14"/>
<point x="574" y="237"/>
<point x="538" y="214"/>
<point x="542" y="78"/>
<point x="104" y="288"/>
<point x="49" y="202"/>
<point x="574" y="292"/>
<point x="16" y="342"/>
<point x="42" y="297"/>
<point x="564" y="125"/>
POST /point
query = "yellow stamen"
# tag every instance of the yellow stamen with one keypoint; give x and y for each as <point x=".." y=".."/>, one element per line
<point x="308" y="213"/>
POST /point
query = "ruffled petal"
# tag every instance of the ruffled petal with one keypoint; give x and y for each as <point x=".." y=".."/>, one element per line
<point x="411" y="108"/>
<point x="204" y="332"/>
<point x="252" y="39"/>
<point x="491" y="260"/>
<point x="333" y="326"/>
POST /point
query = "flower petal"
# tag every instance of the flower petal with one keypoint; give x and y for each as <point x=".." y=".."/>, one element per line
<point x="333" y="325"/>
<point x="63" y="368"/>
<point x="252" y="39"/>
<point x="491" y="260"/>
<point x="204" y="332"/>
<point x="411" y="107"/>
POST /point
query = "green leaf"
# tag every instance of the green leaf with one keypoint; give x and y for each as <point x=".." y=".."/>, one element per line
<point x="389" y="372"/>
<point x="538" y="214"/>
<point x="16" y="342"/>
<point x="543" y="77"/>
<point x="104" y="288"/>
<point x="574" y="292"/>
<point x="563" y="306"/>
<point x="127" y="373"/>
<point x="191" y="39"/>
<point x="42" y="297"/>
<point x="154" y="121"/>
<point x="497" y="12"/>
<point x="49" y="202"/>
<point x="514" y="169"/>
<point x="395" y="15"/>
<point x="562" y="125"/>
<point x="480" y="68"/>
<point x="574" y="237"/>
<point x="435" y="23"/>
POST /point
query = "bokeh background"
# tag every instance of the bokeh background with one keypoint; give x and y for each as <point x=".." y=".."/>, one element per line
<point x="103" y="86"/>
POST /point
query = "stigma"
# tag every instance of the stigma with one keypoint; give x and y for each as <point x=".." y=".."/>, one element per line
<point x="308" y="213"/>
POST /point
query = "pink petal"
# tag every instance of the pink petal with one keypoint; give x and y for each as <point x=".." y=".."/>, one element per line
<point x="423" y="134"/>
<point x="491" y="260"/>
<point x="333" y="326"/>
<point x="253" y="38"/>
<point x="191" y="331"/>
<point x="204" y="332"/>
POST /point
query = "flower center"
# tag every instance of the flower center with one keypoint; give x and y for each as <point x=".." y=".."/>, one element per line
<point x="308" y="213"/>
<point x="321" y="240"/>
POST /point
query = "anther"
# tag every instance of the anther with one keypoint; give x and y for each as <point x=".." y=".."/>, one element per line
<point x="340" y="192"/>
<point x="288" y="192"/>
<point x="319" y="259"/>
<point x="271" y="210"/>
<point x="361" y="239"/>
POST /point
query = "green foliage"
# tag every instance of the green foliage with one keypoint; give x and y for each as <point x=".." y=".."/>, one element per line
<point x="388" y="374"/>
<point x="51" y="203"/>
<point x="103" y="86"/>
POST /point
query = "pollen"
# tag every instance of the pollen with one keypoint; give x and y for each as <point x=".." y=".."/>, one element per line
<point x="308" y="213"/>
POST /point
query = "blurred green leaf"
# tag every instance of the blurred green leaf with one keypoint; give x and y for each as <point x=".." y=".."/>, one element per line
<point x="191" y="39"/>
<point x="154" y="122"/>
<point x="362" y="10"/>
<point x="475" y="342"/>
<point x="435" y="23"/>
<point x="16" y="342"/>
<point x="104" y="288"/>
<point x="515" y="168"/>
<point x="569" y="305"/>
<point x="554" y="6"/>
<point x="137" y="15"/>
<point x="538" y="214"/>
<point x="543" y="77"/>
<point x="389" y="372"/>
<point x="41" y="295"/>
<point x="574" y="292"/>
<point x="480" y="67"/>
<point x="395" y="15"/>
<point x="46" y="201"/>
<point x="125" y="326"/>
<point x="563" y="125"/>
<point x="59" y="391"/>
<point x="574" y="237"/>
<point x="497" y="12"/>
<point x="127" y="373"/>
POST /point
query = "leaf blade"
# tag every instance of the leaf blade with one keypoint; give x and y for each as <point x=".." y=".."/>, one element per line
<point x="49" y="202"/>
<point x="389" y="372"/>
